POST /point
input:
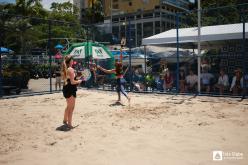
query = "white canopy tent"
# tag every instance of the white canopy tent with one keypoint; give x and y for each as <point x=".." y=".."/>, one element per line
<point x="190" y="35"/>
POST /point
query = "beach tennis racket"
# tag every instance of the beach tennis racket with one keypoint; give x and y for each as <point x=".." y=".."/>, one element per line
<point x="85" y="75"/>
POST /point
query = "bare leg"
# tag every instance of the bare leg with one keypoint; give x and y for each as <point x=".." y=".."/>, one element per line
<point x="124" y="92"/>
<point x="66" y="111"/>
<point x="59" y="85"/>
<point x="119" y="96"/>
<point x="71" y="109"/>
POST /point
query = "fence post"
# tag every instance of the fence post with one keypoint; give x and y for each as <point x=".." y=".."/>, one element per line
<point x="1" y="75"/>
<point x="244" y="61"/>
<point x="145" y="59"/>
<point x="199" y="47"/>
<point x="1" y="88"/>
<point x="177" y="24"/>
<point x="49" y="53"/>
<point x="130" y="59"/>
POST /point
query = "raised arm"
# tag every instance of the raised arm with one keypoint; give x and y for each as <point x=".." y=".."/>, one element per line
<point x="126" y="71"/>
<point x="105" y="70"/>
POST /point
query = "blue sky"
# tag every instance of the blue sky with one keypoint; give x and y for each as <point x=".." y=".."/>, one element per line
<point x="47" y="3"/>
<point x="7" y="1"/>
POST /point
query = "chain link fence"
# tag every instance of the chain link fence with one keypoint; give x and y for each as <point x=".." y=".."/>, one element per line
<point x="36" y="48"/>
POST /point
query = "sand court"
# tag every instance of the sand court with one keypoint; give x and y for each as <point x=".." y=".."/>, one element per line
<point x="155" y="129"/>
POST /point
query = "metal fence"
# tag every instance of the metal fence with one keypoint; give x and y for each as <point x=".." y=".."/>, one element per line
<point x="169" y="66"/>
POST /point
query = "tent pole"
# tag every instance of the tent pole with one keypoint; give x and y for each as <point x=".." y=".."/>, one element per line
<point x="199" y="47"/>
<point x="145" y="59"/>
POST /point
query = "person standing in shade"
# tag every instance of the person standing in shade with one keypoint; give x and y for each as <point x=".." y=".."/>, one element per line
<point x="168" y="80"/>
<point x="57" y="79"/>
<point x="182" y="81"/>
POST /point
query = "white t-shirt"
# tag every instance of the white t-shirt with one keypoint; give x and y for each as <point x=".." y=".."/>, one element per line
<point x="206" y="77"/>
<point x="191" y="79"/>
<point x="223" y="80"/>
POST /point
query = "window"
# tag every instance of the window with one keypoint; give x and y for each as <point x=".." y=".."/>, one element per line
<point x="116" y="6"/>
<point x="157" y="14"/>
<point x="138" y="16"/>
<point x="148" y="15"/>
<point x="157" y="27"/>
<point x="148" y="29"/>
<point x="115" y="20"/>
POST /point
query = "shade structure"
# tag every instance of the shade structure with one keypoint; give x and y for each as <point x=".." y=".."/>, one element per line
<point x="190" y="35"/>
<point x="5" y="50"/>
<point x="118" y="53"/>
<point x="88" y="50"/>
<point x="59" y="46"/>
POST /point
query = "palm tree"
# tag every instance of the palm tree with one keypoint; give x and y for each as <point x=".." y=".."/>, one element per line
<point x="28" y="7"/>
<point x="94" y="13"/>
<point x="91" y="2"/>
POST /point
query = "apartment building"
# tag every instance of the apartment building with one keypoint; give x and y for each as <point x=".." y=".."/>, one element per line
<point x="146" y="17"/>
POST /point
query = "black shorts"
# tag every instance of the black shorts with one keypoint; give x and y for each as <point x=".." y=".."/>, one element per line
<point x="69" y="90"/>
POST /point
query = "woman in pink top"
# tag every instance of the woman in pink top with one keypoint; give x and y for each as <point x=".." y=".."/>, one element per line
<point x="118" y="71"/>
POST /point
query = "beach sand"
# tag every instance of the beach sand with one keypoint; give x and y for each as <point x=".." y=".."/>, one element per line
<point x="155" y="130"/>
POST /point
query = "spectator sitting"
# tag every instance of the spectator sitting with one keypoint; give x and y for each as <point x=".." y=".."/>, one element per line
<point x="168" y="80"/>
<point x="237" y="82"/>
<point x="159" y="82"/>
<point x="137" y="81"/>
<point x="182" y="81"/>
<point x="206" y="80"/>
<point x="149" y="80"/>
<point x="191" y="81"/>
<point x="245" y="85"/>
<point x="223" y="82"/>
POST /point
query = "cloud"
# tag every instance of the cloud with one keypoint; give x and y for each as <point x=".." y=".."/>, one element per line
<point x="47" y="3"/>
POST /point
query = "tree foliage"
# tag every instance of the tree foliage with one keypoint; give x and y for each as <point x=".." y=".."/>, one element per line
<point x="217" y="12"/>
<point x="24" y="26"/>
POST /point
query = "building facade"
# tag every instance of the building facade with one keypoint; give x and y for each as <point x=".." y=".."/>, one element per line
<point x="82" y="5"/>
<point x="146" y="17"/>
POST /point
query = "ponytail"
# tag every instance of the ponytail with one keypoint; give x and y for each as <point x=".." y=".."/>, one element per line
<point x="65" y="66"/>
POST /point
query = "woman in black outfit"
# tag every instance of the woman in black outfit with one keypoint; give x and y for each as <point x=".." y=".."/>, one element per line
<point x="69" y="89"/>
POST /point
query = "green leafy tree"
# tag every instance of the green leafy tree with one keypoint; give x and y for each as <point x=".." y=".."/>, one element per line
<point x="216" y="12"/>
<point x="30" y="8"/>
<point x="94" y="14"/>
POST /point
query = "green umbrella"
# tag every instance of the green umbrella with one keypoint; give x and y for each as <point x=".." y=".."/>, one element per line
<point x="87" y="50"/>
